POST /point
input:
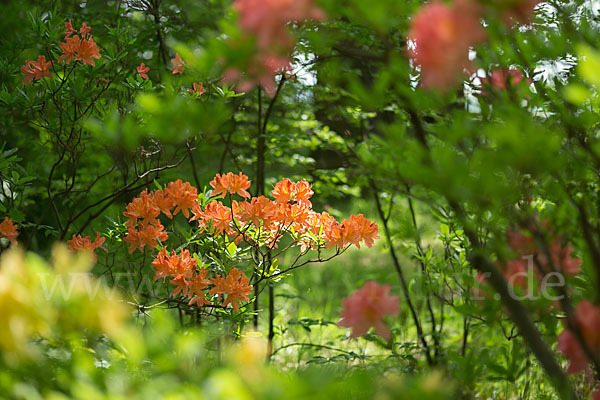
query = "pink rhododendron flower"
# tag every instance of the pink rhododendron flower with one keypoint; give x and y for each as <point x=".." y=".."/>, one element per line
<point x="518" y="10"/>
<point x="587" y="318"/>
<point x="500" y="78"/>
<point x="260" y="71"/>
<point x="268" y="19"/>
<point x="570" y="265"/>
<point x="443" y="35"/>
<point x="367" y="307"/>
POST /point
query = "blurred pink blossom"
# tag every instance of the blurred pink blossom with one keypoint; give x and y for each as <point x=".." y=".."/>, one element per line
<point x="443" y="35"/>
<point x="366" y="308"/>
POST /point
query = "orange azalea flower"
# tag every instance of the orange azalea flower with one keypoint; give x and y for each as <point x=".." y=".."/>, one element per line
<point x="69" y="29"/>
<point x="36" y="70"/>
<point x="230" y="183"/>
<point x="180" y="267"/>
<point x="197" y="286"/>
<point x="177" y="67"/>
<point x="162" y="265"/>
<point x="520" y="242"/>
<point x="69" y="48"/>
<point x="287" y="214"/>
<point x="164" y="202"/>
<point x="317" y="220"/>
<point x="353" y="230"/>
<point x="366" y="308"/>
<point x="143" y="208"/>
<point x="235" y="286"/>
<point x="78" y="243"/>
<point x="147" y="236"/>
<point x="516" y="273"/>
<point x="184" y="196"/>
<point x="198" y="89"/>
<point x="82" y="49"/>
<point x="142" y="70"/>
<point x="150" y="234"/>
<point x="319" y="224"/>
<point x="198" y="214"/>
<point x="259" y="208"/>
<point x="8" y="230"/>
<point x="334" y="235"/>
<point x="181" y="286"/>
<point x="220" y="216"/>
<point x="133" y="238"/>
<point x="87" y="51"/>
<point x="443" y="34"/>
<point x="287" y="191"/>
<point x="84" y="30"/>
<point x="362" y="230"/>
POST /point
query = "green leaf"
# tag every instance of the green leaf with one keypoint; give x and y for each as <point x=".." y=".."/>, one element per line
<point x="231" y="248"/>
<point x="589" y="64"/>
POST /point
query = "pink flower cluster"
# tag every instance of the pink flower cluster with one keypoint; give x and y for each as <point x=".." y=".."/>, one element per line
<point x="366" y="308"/>
<point x="443" y="33"/>
<point x="267" y="21"/>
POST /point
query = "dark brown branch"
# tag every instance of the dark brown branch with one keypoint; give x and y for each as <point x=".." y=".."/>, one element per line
<point x="516" y="310"/>
<point x="407" y="298"/>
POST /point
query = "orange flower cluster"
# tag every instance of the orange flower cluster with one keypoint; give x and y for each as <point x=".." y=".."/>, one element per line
<point x="79" y="243"/>
<point x="178" y="68"/>
<point x="36" y="70"/>
<point x="191" y="281"/>
<point x="182" y="272"/>
<point x="8" y="230"/>
<point x="267" y="21"/>
<point x="178" y="64"/>
<point x="443" y="34"/>
<point x="143" y="71"/>
<point x="353" y="230"/>
<point x="143" y="226"/>
<point x="258" y="221"/>
<point x="236" y="286"/>
<point x="266" y="221"/>
<point x="81" y="49"/>
<point x="74" y="47"/>
<point x="230" y="183"/>
<point x="197" y="90"/>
